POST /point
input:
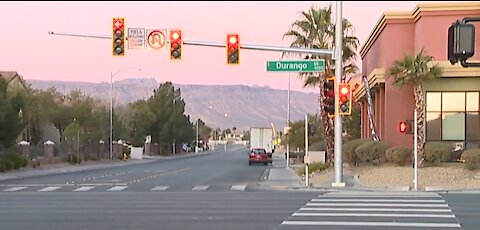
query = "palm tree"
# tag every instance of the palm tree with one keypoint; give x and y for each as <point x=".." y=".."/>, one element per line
<point x="316" y="30"/>
<point x="415" y="70"/>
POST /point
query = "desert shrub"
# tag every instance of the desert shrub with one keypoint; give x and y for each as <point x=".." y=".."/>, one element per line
<point x="472" y="159"/>
<point x="371" y="151"/>
<point x="398" y="154"/>
<point x="437" y="152"/>
<point x="349" y="154"/>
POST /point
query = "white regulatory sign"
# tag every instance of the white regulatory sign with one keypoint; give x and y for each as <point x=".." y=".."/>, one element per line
<point x="156" y="39"/>
<point x="136" y="38"/>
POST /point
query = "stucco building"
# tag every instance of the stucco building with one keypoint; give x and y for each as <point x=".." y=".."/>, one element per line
<point x="452" y="101"/>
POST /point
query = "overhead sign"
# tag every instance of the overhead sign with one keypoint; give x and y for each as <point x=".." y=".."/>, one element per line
<point x="156" y="39"/>
<point x="136" y="38"/>
<point x="317" y="65"/>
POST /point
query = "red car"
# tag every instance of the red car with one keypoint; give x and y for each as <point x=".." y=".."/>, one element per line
<point x="258" y="155"/>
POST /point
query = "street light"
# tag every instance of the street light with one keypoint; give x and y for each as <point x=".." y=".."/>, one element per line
<point x="111" y="106"/>
<point x="196" y="143"/>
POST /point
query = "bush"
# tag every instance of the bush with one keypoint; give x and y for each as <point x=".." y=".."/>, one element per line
<point x="398" y="154"/>
<point x="472" y="159"/>
<point x="8" y="164"/>
<point x="314" y="167"/>
<point x="349" y="154"/>
<point x="436" y="152"/>
<point x="318" y="146"/>
<point x="371" y="151"/>
<point x="17" y="160"/>
<point x="2" y="166"/>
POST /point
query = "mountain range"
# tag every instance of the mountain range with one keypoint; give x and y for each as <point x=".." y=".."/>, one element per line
<point x="219" y="106"/>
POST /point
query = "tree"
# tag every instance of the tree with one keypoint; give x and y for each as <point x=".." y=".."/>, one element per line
<point x="352" y="123"/>
<point x="11" y="124"/>
<point x="414" y="70"/>
<point x="142" y="119"/>
<point x="316" y="29"/>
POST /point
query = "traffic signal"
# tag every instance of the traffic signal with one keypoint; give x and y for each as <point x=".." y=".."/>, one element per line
<point x="329" y="93"/>
<point x="406" y="127"/>
<point x="118" y="38"/>
<point x="175" y="44"/>
<point x="345" y="99"/>
<point x="312" y="129"/>
<point x="461" y="41"/>
<point x="233" y="49"/>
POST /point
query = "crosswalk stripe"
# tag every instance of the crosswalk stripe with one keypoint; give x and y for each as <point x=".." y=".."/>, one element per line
<point x="159" y="188"/>
<point x="379" y="194"/>
<point x="14" y="189"/>
<point x="377" y="205"/>
<point x="374" y="224"/>
<point x="239" y="187"/>
<point x="378" y="209"/>
<point x="49" y="189"/>
<point x="416" y="215"/>
<point x="117" y="188"/>
<point x="200" y="187"/>
<point x="84" y="189"/>
<point x="379" y="200"/>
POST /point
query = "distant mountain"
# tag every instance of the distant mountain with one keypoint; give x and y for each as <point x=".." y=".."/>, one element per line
<point x="220" y="106"/>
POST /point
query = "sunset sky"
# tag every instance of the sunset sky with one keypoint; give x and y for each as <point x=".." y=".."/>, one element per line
<point x="27" y="47"/>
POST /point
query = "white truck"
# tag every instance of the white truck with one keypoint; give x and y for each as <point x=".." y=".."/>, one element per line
<point x="262" y="137"/>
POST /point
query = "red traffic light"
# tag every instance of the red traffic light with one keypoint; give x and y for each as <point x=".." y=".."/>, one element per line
<point x="175" y="44"/>
<point x="233" y="49"/>
<point x="344" y="89"/>
<point x="403" y="127"/>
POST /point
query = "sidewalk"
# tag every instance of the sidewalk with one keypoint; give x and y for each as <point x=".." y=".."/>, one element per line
<point x="281" y="177"/>
<point x="52" y="169"/>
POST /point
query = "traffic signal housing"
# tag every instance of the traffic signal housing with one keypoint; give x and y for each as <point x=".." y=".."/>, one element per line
<point x="461" y="41"/>
<point x="329" y="93"/>
<point x="406" y="127"/>
<point x="344" y="99"/>
<point x="175" y="45"/>
<point x="312" y="129"/>
<point x="233" y="49"/>
<point x="118" y="38"/>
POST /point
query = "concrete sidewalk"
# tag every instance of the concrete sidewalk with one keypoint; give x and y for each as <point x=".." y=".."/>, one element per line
<point x="281" y="177"/>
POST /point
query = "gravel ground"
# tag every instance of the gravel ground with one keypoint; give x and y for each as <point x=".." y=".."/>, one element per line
<point x="446" y="176"/>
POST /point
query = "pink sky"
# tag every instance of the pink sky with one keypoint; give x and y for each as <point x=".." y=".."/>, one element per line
<point x="27" y="47"/>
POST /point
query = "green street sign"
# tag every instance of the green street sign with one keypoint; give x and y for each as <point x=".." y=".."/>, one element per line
<point x="317" y="65"/>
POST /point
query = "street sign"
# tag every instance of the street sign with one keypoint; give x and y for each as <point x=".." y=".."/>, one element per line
<point x="136" y="38"/>
<point x="156" y="39"/>
<point x="317" y="65"/>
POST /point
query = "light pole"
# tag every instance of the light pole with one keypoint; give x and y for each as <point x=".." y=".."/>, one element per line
<point x="111" y="106"/>
<point x="196" y="142"/>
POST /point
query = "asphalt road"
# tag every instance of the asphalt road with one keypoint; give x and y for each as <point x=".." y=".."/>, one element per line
<point x="466" y="207"/>
<point x="217" y="171"/>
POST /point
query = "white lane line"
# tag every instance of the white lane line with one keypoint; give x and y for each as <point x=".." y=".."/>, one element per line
<point x="200" y="187"/>
<point x="159" y="188"/>
<point x="14" y="189"/>
<point x="49" y="189"/>
<point x="374" y="224"/>
<point x="84" y="189"/>
<point x="377" y="205"/>
<point x="417" y="215"/>
<point x="379" y="200"/>
<point x="117" y="188"/>
<point x="239" y="187"/>
<point x="376" y="194"/>
<point x="378" y="209"/>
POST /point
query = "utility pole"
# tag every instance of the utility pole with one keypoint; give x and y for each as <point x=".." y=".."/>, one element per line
<point x="306" y="151"/>
<point x="288" y="123"/>
<point x="338" y="166"/>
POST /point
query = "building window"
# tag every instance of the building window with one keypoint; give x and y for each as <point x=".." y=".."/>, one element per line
<point x="453" y="116"/>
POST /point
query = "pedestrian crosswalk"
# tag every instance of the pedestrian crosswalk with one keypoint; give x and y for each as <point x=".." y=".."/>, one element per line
<point x="117" y="188"/>
<point x="352" y="210"/>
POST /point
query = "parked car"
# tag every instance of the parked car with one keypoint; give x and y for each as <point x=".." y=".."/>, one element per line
<point x="258" y="155"/>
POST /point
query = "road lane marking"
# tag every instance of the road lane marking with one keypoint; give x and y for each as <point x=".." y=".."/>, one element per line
<point x="379" y="200"/>
<point x="159" y="188"/>
<point x="379" y="194"/>
<point x="377" y="205"/>
<point x="117" y="188"/>
<point x="49" y="189"/>
<point x="373" y="224"/>
<point x="84" y="189"/>
<point x="200" y="187"/>
<point x="239" y="187"/>
<point x="14" y="189"/>
<point x="378" y="209"/>
<point x="417" y="215"/>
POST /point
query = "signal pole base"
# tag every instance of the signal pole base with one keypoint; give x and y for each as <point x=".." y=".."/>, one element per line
<point x="338" y="185"/>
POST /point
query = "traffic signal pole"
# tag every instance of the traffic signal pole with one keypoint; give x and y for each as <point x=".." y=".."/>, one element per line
<point x="338" y="166"/>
